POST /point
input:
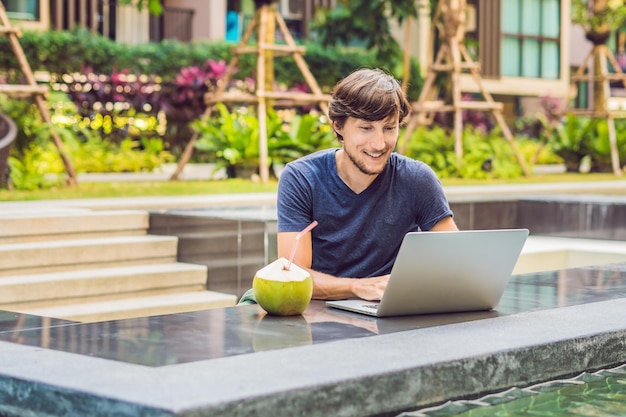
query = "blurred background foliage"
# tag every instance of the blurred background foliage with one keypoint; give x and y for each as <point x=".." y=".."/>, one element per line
<point x="121" y="108"/>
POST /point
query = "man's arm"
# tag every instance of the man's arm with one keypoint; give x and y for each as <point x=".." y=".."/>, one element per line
<point x="329" y="287"/>
<point x="445" y="224"/>
<point x="325" y="286"/>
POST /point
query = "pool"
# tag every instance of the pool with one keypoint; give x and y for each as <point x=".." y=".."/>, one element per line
<point x="601" y="393"/>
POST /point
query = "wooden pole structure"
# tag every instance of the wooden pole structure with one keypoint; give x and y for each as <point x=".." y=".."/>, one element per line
<point x="406" y="76"/>
<point x="599" y="78"/>
<point x="263" y="78"/>
<point x="264" y="21"/>
<point x="32" y="89"/>
<point x="453" y="59"/>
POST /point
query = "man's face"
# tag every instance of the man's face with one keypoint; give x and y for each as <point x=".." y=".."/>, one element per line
<point x="369" y="144"/>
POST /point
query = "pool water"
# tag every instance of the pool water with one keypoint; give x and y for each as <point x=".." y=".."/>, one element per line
<point x="601" y="393"/>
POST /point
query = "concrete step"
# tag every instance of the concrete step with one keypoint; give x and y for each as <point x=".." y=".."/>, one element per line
<point x="228" y="273"/>
<point x="29" y="226"/>
<point x="104" y="284"/>
<point x="84" y="265"/>
<point x="138" y="307"/>
<point x="65" y="255"/>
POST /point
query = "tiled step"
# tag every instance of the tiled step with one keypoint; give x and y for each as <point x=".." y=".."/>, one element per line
<point x="52" y="256"/>
<point x="138" y="306"/>
<point x="232" y="249"/>
<point x="29" y="226"/>
<point x="228" y="273"/>
<point x="84" y="265"/>
<point x="90" y="285"/>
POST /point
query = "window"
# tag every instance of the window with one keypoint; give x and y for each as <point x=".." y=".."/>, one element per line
<point x="530" y="43"/>
<point x="22" y="9"/>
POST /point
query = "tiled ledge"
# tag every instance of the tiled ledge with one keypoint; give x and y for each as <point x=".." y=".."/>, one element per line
<point x="362" y="376"/>
<point x="575" y="216"/>
<point x="398" y="368"/>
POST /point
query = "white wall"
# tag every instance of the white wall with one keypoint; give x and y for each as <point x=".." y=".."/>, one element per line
<point x="579" y="46"/>
<point x="209" y="19"/>
<point x="132" y="25"/>
<point x="419" y="35"/>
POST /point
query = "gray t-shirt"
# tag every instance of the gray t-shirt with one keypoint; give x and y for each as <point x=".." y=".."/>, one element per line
<point x="358" y="235"/>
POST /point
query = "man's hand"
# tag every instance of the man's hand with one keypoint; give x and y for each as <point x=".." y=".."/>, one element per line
<point x="370" y="288"/>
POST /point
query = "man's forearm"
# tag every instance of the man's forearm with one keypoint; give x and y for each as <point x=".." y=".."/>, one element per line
<point x="328" y="287"/>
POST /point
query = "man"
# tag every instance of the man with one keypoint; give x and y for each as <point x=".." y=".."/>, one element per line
<point x="364" y="196"/>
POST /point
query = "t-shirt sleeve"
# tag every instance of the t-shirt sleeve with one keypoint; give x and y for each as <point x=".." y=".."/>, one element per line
<point x="432" y="203"/>
<point x="294" y="200"/>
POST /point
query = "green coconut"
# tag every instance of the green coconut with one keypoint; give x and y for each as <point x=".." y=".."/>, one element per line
<point x="281" y="291"/>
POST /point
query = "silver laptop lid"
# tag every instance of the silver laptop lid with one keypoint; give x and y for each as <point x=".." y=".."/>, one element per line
<point x="451" y="271"/>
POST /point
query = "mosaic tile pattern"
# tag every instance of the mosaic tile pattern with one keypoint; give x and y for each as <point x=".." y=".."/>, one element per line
<point x="602" y="393"/>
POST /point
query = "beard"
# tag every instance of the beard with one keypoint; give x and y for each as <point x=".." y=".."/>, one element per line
<point x="362" y="166"/>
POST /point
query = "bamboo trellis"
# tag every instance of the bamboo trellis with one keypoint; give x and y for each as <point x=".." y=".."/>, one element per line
<point x="599" y="107"/>
<point x="454" y="59"/>
<point x="265" y="20"/>
<point x="31" y="88"/>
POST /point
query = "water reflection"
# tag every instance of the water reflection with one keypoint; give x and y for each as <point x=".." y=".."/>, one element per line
<point x="530" y="292"/>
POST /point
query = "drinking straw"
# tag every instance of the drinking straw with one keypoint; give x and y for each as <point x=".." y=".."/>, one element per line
<point x="295" y="243"/>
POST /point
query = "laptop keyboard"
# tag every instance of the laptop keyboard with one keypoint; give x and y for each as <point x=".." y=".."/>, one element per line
<point x="374" y="306"/>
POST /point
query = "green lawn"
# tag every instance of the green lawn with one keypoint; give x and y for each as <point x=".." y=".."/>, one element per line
<point x="539" y="179"/>
<point x="174" y="188"/>
<point x="140" y="189"/>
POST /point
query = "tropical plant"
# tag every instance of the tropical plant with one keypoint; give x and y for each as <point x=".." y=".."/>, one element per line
<point x="364" y="22"/>
<point x="232" y="137"/>
<point x="572" y="139"/>
<point x="301" y="135"/>
<point x="183" y="99"/>
<point x="600" y="149"/>
<point x="598" y="18"/>
<point x="27" y="118"/>
<point x="487" y="155"/>
<point x="537" y="129"/>
<point x="36" y="166"/>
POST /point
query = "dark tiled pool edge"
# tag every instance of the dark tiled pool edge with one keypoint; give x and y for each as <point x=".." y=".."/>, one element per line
<point x="354" y="377"/>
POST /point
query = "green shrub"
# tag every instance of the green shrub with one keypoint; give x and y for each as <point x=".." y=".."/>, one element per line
<point x="539" y="153"/>
<point x="579" y="137"/>
<point x="79" y="50"/>
<point x="484" y="155"/>
<point x="35" y="156"/>
<point x="30" y="168"/>
<point x="27" y="119"/>
<point x="571" y="140"/>
<point x="104" y="132"/>
<point x="34" y="167"/>
<point x="600" y="147"/>
<point x="232" y="137"/>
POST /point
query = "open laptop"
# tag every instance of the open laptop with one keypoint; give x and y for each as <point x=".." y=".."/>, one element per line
<point x="444" y="272"/>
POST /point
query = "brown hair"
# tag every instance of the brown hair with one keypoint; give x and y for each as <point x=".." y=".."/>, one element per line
<point x="368" y="94"/>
